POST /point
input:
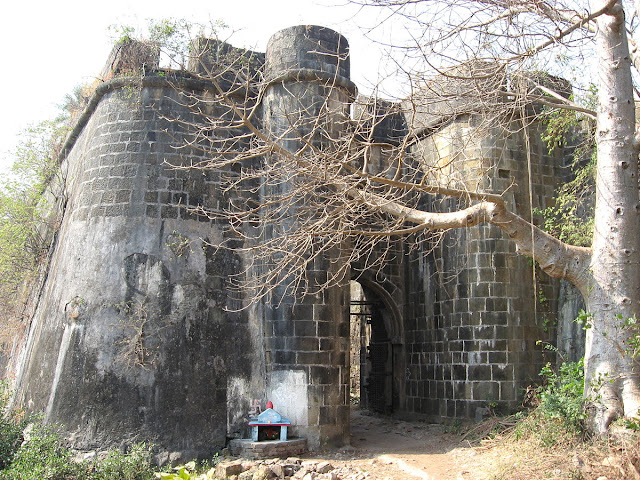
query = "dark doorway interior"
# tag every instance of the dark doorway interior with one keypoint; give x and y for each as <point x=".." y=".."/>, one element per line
<point x="371" y="352"/>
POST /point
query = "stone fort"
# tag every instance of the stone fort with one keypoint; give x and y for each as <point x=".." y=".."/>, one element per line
<point x="437" y="333"/>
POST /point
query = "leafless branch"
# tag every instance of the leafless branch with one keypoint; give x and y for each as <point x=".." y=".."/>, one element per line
<point x="313" y="183"/>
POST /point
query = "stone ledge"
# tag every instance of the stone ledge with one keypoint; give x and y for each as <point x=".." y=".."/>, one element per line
<point x="247" y="448"/>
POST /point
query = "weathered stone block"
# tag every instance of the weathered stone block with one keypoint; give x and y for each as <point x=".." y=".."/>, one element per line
<point x="502" y="372"/>
<point x="226" y="469"/>
<point x="284" y="357"/>
<point x="484" y="332"/>
<point x="479" y="372"/>
<point x="305" y="328"/>
<point x="323" y="467"/>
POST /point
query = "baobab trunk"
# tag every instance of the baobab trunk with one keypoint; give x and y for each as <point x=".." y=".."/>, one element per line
<point x="612" y="286"/>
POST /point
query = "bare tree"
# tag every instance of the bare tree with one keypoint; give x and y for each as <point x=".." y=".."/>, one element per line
<point x="308" y="181"/>
<point x="522" y="35"/>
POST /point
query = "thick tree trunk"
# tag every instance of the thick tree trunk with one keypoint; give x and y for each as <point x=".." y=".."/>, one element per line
<point x="613" y="294"/>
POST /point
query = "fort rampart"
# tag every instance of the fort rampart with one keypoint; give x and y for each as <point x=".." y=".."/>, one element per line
<point x="137" y="336"/>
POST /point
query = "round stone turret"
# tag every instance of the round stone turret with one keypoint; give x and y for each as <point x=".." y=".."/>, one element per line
<point x="307" y="102"/>
<point x="307" y="47"/>
<point x="307" y="70"/>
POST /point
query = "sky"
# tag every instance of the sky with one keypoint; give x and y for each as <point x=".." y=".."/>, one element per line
<point x="51" y="47"/>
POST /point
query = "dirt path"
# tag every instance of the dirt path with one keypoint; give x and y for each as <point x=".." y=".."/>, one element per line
<point x="387" y="449"/>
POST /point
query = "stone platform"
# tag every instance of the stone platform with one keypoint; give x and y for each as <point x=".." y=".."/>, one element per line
<point x="247" y="448"/>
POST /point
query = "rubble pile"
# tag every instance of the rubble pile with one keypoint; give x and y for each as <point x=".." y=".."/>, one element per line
<point x="293" y="468"/>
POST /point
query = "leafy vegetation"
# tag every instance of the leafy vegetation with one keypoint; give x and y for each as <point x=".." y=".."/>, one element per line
<point x="30" y="450"/>
<point x="561" y="396"/>
<point x="559" y="415"/>
<point x="42" y="456"/>
<point x="571" y="218"/>
<point x="632" y="327"/>
<point x="27" y="219"/>
<point x="134" y="465"/>
<point x="27" y="449"/>
<point x="12" y="425"/>
<point x="22" y="209"/>
<point x="551" y="441"/>
<point x="186" y="472"/>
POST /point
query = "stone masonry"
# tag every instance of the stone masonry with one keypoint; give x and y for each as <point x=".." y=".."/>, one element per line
<point x="136" y="335"/>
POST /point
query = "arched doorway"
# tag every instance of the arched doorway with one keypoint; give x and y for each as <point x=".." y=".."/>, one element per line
<point x="375" y="349"/>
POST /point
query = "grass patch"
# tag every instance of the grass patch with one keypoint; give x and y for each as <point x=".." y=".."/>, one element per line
<point x="539" y="447"/>
<point x="549" y="441"/>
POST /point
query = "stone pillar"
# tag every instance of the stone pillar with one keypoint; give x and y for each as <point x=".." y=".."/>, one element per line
<point x="307" y="339"/>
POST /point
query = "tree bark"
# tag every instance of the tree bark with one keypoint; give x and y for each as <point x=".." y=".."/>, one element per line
<point x="613" y="294"/>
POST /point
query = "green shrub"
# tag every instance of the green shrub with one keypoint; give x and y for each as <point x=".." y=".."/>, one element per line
<point x="561" y="396"/>
<point x="11" y="426"/>
<point x="182" y="472"/>
<point x="190" y="471"/>
<point x="38" y="453"/>
<point x="41" y="457"/>
<point x="134" y="465"/>
<point x="10" y="440"/>
<point x="558" y="419"/>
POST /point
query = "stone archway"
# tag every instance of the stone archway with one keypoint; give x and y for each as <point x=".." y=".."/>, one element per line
<point x="377" y="355"/>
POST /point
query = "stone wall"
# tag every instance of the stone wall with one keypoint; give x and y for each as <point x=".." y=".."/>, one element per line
<point x="130" y="337"/>
<point x="476" y="309"/>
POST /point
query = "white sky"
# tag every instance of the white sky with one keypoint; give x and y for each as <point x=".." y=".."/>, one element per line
<point x="52" y="46"/>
